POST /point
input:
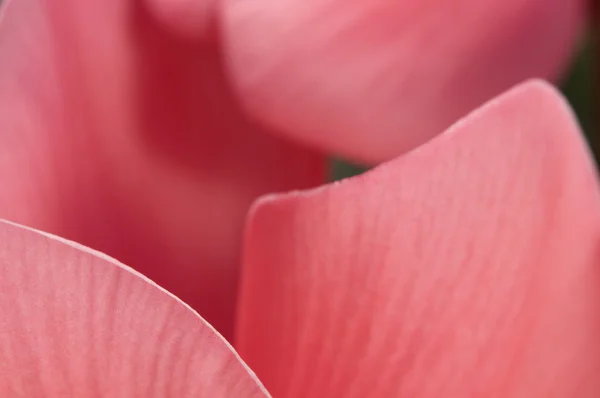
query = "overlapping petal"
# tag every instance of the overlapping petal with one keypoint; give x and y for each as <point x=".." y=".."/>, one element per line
<point x="370" y="79"/>
<point x="122" y="135"/>
<point x="467" y="268"/>
<point x="77" y="323"/>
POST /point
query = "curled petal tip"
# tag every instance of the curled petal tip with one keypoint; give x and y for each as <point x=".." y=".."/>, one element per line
<point x="370" y="80"/>
<point x="461" y="266"/>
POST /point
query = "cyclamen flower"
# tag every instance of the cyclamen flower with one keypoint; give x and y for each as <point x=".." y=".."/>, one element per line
<point x="119" y="128"/>
<point x="466" y="268"/>
<point x="368" y="79"/>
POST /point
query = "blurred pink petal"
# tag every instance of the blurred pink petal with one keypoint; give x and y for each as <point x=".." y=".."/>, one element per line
<point x="187" y="17"/>
<point x="118" y="135"/>
<point x="467" y="268"/>
<point x="76" y="323"/>
<point x="370" y="79"/>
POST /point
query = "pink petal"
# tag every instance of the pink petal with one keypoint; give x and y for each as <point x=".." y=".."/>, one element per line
<point x="369" y="79"/>
<point x="467" y="268"/>
<point x="188" y="17"/>
<point x="118" y="135"/>
<point x="76" y="323"/>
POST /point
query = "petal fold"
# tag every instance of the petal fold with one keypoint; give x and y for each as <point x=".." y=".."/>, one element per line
<point x="466" y="268"/>
<point x="77" y="323"/>
<point x="370" y="79"/>
<point x="124" y="136"/>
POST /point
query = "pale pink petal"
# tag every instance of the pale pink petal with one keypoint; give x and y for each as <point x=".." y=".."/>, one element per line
<point x="121" y="136"/>
<point x="370" y="79"/>
<point x="76" y="323"/>
<point x="467" y="268"/>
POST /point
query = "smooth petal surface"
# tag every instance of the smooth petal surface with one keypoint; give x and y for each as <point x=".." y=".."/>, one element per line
<point x="122" y="136"/>
<point x="189" y="18"/>
<point x="467" y="268"/>
<point x="76" y="323"/>
<point x="370" y="79"/>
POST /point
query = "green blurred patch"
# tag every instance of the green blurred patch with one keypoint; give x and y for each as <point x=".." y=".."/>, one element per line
<point x="580" y="88"/>
<point x="340" y="169"/>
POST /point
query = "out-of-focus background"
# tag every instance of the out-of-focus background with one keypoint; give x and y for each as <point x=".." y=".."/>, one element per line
<point x="580" y="88"/>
